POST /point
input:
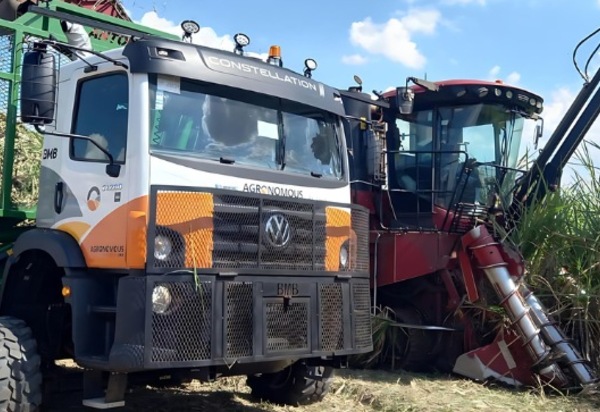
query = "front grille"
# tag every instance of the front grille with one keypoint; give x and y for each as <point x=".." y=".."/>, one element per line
<point x="331" y="325"/>
<point x="240" y="319"/>
<point x="233" y="231"/>
<point x="286" y="326"/>
<point x="361" y="299"/>
<point x="216" y="321"/>
<point x="360" y="225"/>
<point x="241" y="240"/>
<point x="184" y="332"/>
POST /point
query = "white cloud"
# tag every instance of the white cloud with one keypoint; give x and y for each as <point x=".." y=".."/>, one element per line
<point x="494" y="72"/>
<point x="512" y="79"/>
<point x="205" y="37"/>
<point x="465" y="2"/>
<point x="554" y="109"/>
<point x="354" y="59"/>
<point x="393" y="39"/>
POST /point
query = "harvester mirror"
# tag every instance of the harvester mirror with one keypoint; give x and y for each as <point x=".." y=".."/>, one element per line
<point x="539" y="132"/>
<point x="38" y="86"/>
<point x="406" y="98"/>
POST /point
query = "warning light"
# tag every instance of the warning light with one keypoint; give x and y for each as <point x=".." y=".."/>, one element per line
<point x="275" y="56"/>
<point x="66" y="291"/>
<point x="275" y="52"/>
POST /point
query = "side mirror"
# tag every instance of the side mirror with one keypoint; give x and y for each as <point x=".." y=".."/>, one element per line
<point x="405" y="97"/>
<point x="38" y="86"/>
<point x="539" y="132"/>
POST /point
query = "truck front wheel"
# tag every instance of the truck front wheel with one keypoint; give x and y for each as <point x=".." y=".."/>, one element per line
<point x="298" y="384"/>
<point x="20" y="374"/>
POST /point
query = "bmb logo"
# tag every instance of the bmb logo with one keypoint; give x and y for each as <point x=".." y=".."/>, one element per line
<point x="288" y="289"/>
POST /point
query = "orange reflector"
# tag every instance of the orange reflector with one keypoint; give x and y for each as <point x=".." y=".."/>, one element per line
<point x="66" y="291"/>
<point x="275" y="52"/>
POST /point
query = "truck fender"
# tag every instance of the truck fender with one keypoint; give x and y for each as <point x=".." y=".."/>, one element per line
<point x="63" y="248"/>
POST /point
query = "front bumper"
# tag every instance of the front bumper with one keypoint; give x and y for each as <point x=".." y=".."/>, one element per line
<point x="215" y="321"/>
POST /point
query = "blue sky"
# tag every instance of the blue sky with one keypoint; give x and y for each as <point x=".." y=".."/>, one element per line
<point x="528" y="43"/>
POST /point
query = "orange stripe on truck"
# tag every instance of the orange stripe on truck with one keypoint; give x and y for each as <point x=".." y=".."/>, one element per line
<point x="338" y="227"/>
<point x="191" y="215"/>
<point x="119" y="240"/>
<point x="76" y="229"/>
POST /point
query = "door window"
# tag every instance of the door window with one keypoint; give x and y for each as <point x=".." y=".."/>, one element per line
<point x="101" y="114"/>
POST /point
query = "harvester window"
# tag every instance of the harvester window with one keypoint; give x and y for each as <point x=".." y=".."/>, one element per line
<point x="414" y="165"/>
<point x="101" y="113"/>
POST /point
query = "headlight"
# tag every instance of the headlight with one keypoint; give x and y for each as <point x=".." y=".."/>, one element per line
<point x="162" y="247"/>
<point x="344" y="256"/>
<point x="161" y="299"/>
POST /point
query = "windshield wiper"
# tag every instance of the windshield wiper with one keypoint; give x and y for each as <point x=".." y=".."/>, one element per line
<point x="281" y="148"/>
<point x="316" y="174"/>
<point x="226" y="160"/>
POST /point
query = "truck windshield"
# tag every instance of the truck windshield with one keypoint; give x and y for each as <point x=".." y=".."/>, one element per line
<point x="214" y="122"/>
<point x="440" y="141"/>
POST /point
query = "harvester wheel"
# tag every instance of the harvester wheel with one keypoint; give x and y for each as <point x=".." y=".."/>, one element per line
<point x="298" y="384"/>
<point x="20" y="374"/>
<point x="413" y="348"/>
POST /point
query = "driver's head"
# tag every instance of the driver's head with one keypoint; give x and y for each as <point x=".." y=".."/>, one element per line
<point x="228" y="122"/>
<point x="321" y="148"/>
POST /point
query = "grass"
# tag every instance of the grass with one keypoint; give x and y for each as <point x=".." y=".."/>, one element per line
<point x="357" y="391"/>
<point x="26" y="166"/>
<point x="559" y="238"/>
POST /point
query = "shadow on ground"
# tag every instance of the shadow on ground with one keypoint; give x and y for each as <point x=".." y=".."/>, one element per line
<point x="162" y="400"/>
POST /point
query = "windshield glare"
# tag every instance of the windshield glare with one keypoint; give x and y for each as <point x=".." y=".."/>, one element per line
<point x="217" y="123"/>
<point x="486" y="133"/>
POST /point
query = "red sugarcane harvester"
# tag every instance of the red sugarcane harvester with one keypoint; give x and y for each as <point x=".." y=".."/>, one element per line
<point x="436" y="163"/>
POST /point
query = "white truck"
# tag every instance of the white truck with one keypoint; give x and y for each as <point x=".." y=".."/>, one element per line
<point x="194" y="219"/>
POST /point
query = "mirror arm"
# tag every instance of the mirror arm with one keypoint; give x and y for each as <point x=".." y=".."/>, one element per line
<point x="112" y="169"/>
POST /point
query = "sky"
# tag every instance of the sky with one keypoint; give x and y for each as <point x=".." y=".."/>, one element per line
<point x="526" y="43"/>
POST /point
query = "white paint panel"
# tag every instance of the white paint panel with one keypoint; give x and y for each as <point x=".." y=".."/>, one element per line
<point x="168" y="173"/>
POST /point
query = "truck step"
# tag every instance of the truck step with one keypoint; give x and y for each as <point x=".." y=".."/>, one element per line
<point x="100" y="403"/>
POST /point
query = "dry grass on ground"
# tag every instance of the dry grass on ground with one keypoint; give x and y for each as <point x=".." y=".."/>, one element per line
<point x="356" y="391"/>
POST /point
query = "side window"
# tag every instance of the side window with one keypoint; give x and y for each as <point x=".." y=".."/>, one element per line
<point x="101" y="113"/>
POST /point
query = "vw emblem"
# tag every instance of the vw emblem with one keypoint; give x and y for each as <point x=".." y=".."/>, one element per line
<point x="277" y="231"/>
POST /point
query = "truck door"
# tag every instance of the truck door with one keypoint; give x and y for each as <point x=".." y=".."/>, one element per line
<point x="90" y="204"/>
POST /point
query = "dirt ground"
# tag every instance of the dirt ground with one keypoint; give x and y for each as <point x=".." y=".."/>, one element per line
<point x="352" y="391"/>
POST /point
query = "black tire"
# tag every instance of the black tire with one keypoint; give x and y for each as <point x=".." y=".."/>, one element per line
<point x="413" y="349"/>
<point x="298" y="384"/>
<point x="20" y="374"/>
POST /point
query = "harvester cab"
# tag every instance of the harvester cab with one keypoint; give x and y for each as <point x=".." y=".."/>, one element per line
<point x="454" y="154"/>
<point x="437" y="165"/>
<point x="180" y="231"/>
